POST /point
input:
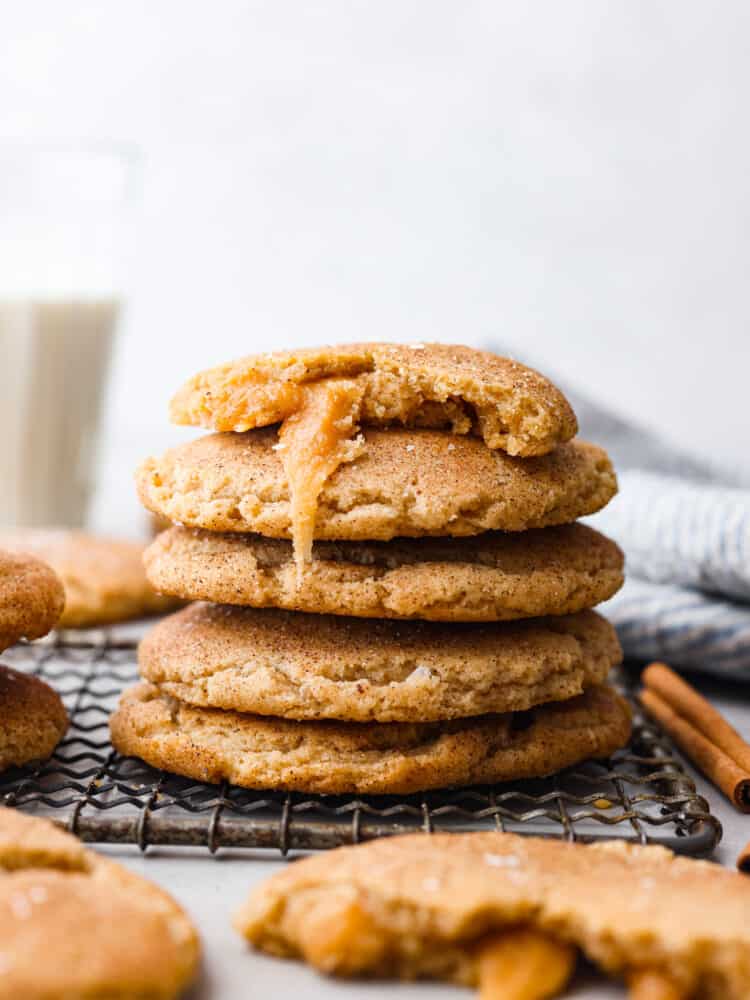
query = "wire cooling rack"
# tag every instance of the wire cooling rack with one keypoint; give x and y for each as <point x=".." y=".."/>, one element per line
<point x="640" y="794"/>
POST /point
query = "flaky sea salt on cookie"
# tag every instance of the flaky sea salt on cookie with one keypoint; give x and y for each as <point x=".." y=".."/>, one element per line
<point x="405" y="483"/>
<point x="104" y="578"/>
<point x="323" y="667"/>
<point x="416" y="385"/>
<point x="74" y="924"/>
<point x="377" y="758"/>
<point x="495" y="576"/>
<point x="510" y="914"/>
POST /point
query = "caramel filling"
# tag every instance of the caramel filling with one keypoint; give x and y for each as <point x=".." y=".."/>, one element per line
<point x="314" y="440"/>
<point x="523" y="964"/>
<point x="320" y="417"/>
<point x="342" y="938"/>
<point x="647" y="984"/>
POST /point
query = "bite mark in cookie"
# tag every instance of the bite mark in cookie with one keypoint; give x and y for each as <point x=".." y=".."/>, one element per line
<point x="321" y="396"/>
<point x="508" y="405"/>
<point x="440" y="907"/>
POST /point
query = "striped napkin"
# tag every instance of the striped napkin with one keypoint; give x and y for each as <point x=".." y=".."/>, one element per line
<point x="684" y="526"/>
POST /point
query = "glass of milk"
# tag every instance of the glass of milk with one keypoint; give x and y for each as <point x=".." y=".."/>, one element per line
<point x="63" y="223"/>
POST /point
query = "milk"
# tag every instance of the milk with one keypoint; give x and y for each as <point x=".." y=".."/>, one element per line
<point x="54" y="356"/>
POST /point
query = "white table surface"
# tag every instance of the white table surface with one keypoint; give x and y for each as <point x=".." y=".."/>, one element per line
<point x="212" y="888"/>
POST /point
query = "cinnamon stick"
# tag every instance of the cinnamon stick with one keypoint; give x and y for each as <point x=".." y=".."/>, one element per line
<point x="692" y="706"/>
<point x="701" y="732"/>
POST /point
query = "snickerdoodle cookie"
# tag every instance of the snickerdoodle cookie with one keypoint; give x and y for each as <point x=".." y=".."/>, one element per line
<point x="321" y="397"/>
<point x="302" y="666"/>
<point x="33" y="719"/>
<point x="74" y="924"/>
<point x="31" y="598"/>
<point x="405" y="483"/>
<point x="371" y="758"/>
<point x="502" y="911"/>
<point x="491" y="577"/>
<point x="104" y="578"/>
<point x="417" y="385"/>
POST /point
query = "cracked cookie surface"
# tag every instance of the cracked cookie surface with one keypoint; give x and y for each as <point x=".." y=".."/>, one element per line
<point x="376" y="758"/>
<point x="300" y="666"/>
<point x="506" y="403"/>
<point x="495" y="576"/>
<point x="405" y="483"/>
<point x="421" y="906"/>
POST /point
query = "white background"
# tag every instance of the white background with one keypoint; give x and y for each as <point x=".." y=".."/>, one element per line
<point x="570" y="179"/>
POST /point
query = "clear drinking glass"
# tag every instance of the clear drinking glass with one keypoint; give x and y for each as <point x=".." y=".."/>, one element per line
<point x="63" y="244"/>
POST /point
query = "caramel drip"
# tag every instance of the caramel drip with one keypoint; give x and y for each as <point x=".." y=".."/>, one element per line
<point x="314" y="441"/>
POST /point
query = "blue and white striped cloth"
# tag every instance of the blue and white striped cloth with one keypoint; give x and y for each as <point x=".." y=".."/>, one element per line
<point x="684" y="533"/>
<point x="686" y="538"/>
<point x="684" y="525"/>
<point x="685" y="628"/>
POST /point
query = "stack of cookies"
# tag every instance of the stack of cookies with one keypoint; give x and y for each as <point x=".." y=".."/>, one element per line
<point x="397" y="596"/>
